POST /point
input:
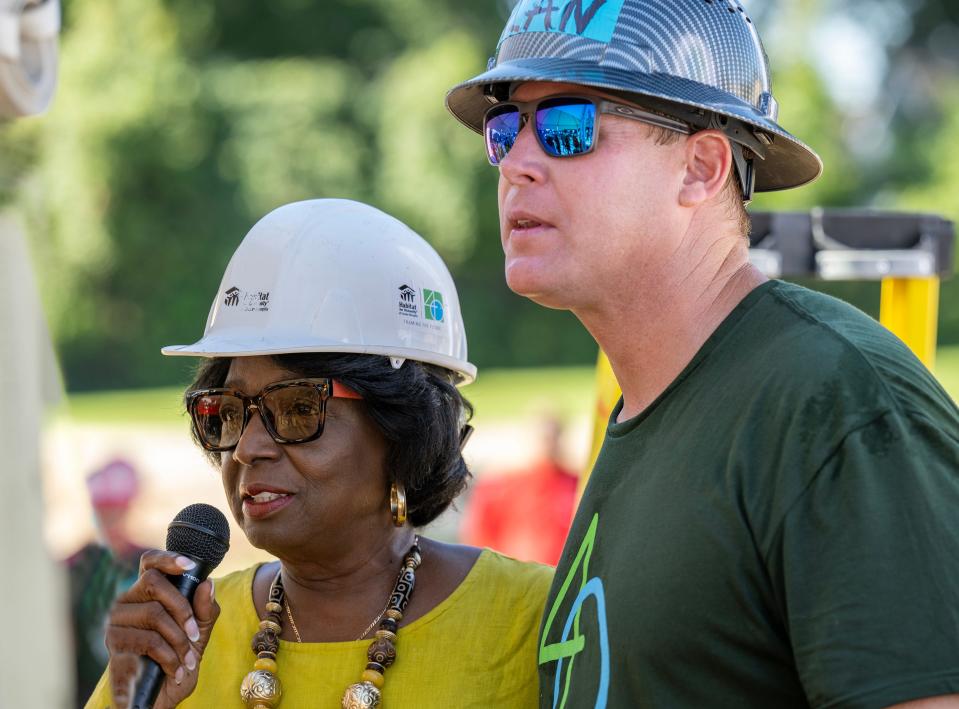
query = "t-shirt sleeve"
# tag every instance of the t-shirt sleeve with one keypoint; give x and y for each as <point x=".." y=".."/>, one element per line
<point x="866" y="568"/>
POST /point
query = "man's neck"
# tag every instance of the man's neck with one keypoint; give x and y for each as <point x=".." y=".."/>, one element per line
<point x="651" y="331"/>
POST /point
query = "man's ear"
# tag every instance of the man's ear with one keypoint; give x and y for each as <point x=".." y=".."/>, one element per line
<point x="709" y="161"/>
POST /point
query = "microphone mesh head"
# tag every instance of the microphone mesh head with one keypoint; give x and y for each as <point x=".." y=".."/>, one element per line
<point x="201" y="532"/>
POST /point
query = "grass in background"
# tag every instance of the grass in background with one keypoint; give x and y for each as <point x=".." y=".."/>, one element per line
<point x="131" y="406"/>
<point x="497" y="395"/>
<point x="523" y="393"/>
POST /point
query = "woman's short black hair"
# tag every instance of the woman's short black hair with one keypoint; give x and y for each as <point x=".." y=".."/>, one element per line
<point x="416" y="407"/>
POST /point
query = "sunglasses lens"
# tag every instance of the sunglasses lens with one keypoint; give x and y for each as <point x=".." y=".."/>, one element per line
<point x="501" y="128"/>
<point x="566" y="126"/>
<point x="218" y="419"/>
<point x="295" y="412"/>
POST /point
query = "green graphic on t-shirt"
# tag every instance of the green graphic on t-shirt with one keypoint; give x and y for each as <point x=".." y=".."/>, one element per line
<point x="568" y="648"/>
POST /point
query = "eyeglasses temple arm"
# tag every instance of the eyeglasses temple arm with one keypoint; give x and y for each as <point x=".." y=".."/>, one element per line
<point x="638" y="114"/>
<point x="341" y="391"/>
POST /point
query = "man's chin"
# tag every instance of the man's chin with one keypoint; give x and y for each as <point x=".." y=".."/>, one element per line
<point x="539" y="293"/>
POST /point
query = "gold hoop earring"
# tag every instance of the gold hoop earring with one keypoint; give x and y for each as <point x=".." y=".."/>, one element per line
<point x="398" y="503"/>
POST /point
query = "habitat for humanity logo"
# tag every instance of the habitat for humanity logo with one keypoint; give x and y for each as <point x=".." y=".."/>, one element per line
<point x="247" y="301"/>
<point x="407" y="302"/>
<point x="433" y="305"/>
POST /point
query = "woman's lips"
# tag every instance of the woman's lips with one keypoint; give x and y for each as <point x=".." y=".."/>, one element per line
<point x="265" y="504"/>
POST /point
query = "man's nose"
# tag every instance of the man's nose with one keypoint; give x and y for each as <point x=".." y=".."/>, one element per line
<point x="524" y="161"/>
<point x="526" y="137"/>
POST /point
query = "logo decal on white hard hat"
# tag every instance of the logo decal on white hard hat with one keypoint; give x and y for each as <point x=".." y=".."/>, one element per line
<point x="432" y="316"/>
<point x="433" y="305"/>
<point x="247" y="301"/>
<point x="407" y="302"/>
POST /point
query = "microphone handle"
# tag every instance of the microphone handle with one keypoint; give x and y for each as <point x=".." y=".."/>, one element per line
<point x="151" y="674"/>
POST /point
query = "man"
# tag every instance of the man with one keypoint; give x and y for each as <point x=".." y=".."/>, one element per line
<point x="772" y="519"/>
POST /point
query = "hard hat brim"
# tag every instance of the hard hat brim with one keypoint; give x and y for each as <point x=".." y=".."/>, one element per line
<point x="788" y="162"/>
<point x="250" y="347"/>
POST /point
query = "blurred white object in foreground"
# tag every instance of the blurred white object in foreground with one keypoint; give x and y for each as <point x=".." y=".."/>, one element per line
<point x="34" y="670"/>
<point x="28" y="55"/>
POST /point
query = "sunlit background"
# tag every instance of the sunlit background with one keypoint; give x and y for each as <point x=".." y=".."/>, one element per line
<point x="178" y="124"/>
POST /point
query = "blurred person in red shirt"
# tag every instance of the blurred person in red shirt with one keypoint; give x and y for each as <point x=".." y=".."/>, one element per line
<point x="525" y="514"/>
<point x="102" y="569"/>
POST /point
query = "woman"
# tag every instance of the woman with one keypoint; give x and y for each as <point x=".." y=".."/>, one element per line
<point x="329" y="404"/>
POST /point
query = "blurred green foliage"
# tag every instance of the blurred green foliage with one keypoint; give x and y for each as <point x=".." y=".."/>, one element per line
<point x="177" y="125"/>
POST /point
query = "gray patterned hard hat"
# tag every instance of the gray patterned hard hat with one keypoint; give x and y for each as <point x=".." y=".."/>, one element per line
<point x="697" y="60"/>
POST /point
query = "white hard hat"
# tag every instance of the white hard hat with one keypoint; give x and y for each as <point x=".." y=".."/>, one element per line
<point x="333" y="275"/>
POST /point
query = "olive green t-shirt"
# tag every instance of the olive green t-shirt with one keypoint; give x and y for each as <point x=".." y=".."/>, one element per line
<point x="779" y="529"/>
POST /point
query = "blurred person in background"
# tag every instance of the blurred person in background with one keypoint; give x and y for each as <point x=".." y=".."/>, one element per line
<point x="525" y="513"/>
<point x="771" y="521"/>
<point x="329" y="403"/>
<point x="102" y="569"/>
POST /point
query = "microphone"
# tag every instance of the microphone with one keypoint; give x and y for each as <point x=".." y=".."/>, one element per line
<point x="201" y="533"/>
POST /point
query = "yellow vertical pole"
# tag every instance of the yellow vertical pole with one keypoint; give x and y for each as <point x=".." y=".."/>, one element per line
<point x="909" y="307"/>
<point x="607" y="394"/>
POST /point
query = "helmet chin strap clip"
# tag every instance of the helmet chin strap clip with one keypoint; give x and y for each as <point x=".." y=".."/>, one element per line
<point x="744" y="156"/>
<point x="745" y="170"/>
<point x="495" y="93"/>
<point x="397" y="362"/>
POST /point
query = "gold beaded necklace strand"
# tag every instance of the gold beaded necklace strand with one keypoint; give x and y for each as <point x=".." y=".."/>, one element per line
<point x="296" y="632"/>
<point x="261" y="688"/>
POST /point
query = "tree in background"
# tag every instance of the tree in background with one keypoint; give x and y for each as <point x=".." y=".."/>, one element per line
<point x="179" y="124"/>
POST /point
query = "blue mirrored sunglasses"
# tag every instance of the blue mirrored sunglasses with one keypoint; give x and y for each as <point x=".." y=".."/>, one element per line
<point x="565" y="126"/>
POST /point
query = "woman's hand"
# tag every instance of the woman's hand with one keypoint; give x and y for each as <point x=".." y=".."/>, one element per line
<point x="153" y="619"/>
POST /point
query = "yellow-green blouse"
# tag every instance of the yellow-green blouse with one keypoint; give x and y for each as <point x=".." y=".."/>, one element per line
<point x="475" y="649"/>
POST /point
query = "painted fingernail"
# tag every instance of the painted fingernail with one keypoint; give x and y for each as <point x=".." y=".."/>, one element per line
<point x="178" y="677"/>
<point x="192" y="630"/>
<point x="185" y="563"/>
<point x="190" y="660"/>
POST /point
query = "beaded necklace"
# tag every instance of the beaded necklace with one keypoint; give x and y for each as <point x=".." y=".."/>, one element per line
<point x="261" y="688"/>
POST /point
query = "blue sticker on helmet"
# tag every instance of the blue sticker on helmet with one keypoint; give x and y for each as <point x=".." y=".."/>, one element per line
<point x="590" y="19"/>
